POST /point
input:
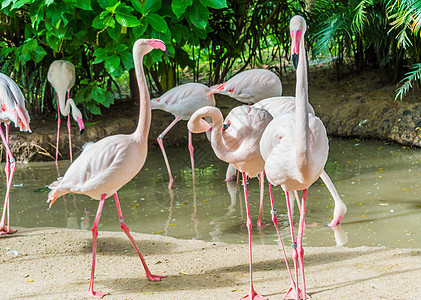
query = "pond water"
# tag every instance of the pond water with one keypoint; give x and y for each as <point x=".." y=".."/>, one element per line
<point x="379" y="182"/>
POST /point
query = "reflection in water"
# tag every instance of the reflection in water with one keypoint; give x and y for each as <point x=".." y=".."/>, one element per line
<point x="378" y="182"/>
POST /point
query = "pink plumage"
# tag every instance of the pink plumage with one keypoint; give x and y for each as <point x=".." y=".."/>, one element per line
<point x="251" y="86"/>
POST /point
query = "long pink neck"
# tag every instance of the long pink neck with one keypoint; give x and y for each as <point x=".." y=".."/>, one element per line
<point x="144" y="124"/>
<point x="302" y="139"/>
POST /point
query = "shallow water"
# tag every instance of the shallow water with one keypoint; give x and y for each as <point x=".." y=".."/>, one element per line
<point x="380" y="184"/>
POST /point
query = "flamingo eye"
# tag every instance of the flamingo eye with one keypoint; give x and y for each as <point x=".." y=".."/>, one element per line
<point x="225" y="126"/>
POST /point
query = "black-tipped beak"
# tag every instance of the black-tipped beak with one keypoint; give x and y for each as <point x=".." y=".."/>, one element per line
<point x="225" y="126"/>
<point x="295" y="60"/>
<point x="167" y="52"/>
<point x="82" y="131"/>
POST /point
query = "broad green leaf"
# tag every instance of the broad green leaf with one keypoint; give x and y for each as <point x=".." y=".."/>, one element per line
<point x="84" y="4"/>
<point x="152" y="6"/>
<point x="38" y="54"/>
<point x="179" y="6"/>
<point x="157" y="22"/>
<point x="137" y="6"/>
<point x="98" y="94"/>
<point x="127" y="60"/>
<point x="100" y="55"/>
<point x="20" y="3"/>
<point x="115" y="32"/>
<point x="140" y="30"/>
<point x="217" y="4"/>
<point x="120" y="47"/>
<point x="112" y="62"/>
<point x="6" y="3"/>
<point x="93" y="108"/>
<point x="109" y="99"/>
<point x="124" y="17"/>
<point x="199" y="15"/>
<point x="107" y="3"/>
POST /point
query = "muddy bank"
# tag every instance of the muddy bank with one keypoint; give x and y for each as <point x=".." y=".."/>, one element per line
<point x="357" y="106"/>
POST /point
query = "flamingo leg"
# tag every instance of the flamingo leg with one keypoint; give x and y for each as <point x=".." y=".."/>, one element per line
<point x="262" y="191"/>
<point x="58" y="132"/>
<point x="292" y="292"/>
<point x="160" y="140"/>
<point x="191" y="150"/>
<point x="252" y="294"/>
<point x="70" y="138"/>
<point x="91" y="292"/>
<point x="275" y="223"/>
<point x="10" y="170"/>
<point x="126" y="230"/>
<point x="300" y="249"/>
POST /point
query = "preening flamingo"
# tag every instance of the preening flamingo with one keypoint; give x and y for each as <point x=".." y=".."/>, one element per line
<point x="12" y="109"/>
<point x="295" y="148"/>
<point x="105" y="166"/>
<point x="61" y="75"/>
<point x="182" y="101"/>
<point x="236" y="141"/>
<point x="251" y="86"/>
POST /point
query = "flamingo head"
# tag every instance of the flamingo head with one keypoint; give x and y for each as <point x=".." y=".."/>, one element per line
<point x="297" y="26"/>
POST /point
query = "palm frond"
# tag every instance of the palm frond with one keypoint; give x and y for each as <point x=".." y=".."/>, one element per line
<point x="406" y="83"/>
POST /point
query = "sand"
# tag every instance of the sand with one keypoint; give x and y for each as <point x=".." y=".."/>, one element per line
<point x="55" y="263"/>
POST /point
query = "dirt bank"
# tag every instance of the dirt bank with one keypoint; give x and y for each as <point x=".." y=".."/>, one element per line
<point x="357" y="106"/>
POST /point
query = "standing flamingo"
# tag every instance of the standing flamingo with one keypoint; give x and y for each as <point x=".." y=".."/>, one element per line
<point x="61" y="75"/>
<point x="12" y="105"/>
<point x="251" y="86"/>
<point x="236" y="142"/>
<point x="279" y="105"/>
<point x="295" y="149"/>
<point x="182" y="101"/>
<point x="105" y="166"/>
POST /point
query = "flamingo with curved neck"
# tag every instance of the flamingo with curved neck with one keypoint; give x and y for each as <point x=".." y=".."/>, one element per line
<point x="61" y="75"/>
<point x="107" y="165"/>
<point x="295" y="149"/>
<point x="236" y="141"/>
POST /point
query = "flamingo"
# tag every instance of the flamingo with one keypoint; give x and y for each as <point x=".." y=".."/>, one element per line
<point x="61" y="75"/>
<point x="236" y="142"/>
<point x="251" y="86"/>
<point x="295" y="148"/>
<point x="182" y="101"/>
<point x="12" y="109"/>
<point x="105" y="166"/>
<point x="279" y="105"/>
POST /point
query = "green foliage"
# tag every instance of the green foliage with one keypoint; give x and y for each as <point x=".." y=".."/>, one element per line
<point x="97" y="36"/>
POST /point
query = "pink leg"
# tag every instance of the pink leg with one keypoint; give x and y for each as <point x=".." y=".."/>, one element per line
<point x="262" y="191"/>
<point x="58" y="132"/>
<point x="252" y="294"/>
<point x="300" y="249"/>
<point x="275" y="222"/>
<point x="10" y="170"/>
<point x="91" y="292"/>
<point x="125" y="228"/>
<point x="161" y="145"/>
<point x="292" y="292"/>
<point x="191" y="150"/>
<point x="70" y="138"/>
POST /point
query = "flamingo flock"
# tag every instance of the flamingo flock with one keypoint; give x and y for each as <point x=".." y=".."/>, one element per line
<point x="274" y="136"/>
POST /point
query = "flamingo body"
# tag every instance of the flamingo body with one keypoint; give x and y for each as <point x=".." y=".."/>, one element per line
<point x="251" y="86"/>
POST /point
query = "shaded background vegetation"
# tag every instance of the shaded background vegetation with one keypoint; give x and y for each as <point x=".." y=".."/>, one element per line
<point x="208" y="39"/>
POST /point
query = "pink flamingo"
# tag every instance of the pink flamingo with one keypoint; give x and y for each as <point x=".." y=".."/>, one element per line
<point x="182" y="101"/>
<point x="105" y="166"/>
<point x="61" y="75"/>
<point x="12" y="109"/>
<point x="250" y="86"/>
<point x="295" y="149"/>
<point x="236" y="142"/>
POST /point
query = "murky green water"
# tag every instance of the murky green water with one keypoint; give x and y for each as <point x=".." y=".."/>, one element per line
<point x="379" y="183"/>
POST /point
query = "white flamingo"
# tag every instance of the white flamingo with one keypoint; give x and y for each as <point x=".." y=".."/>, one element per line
<point x="12" y="109"/>
<point x="182" y="101"/>
<point x="105" y="166"/>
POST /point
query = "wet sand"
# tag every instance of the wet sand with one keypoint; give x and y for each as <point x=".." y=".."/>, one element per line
<point x="55" y="264"/>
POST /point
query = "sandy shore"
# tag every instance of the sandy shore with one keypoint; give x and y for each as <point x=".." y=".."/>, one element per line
<point x="55" y="264"/>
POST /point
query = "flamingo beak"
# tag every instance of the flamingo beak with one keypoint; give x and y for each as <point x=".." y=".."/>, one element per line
<point x="81" y="126"/>
<point x="158" y="44"/>
<point x="52" y="201"/>
<point x="295" y="47"/>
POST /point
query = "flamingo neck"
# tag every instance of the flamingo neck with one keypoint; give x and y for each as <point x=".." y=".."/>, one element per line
<point x="302" y="139"/>
<point x="143" y="126"/>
